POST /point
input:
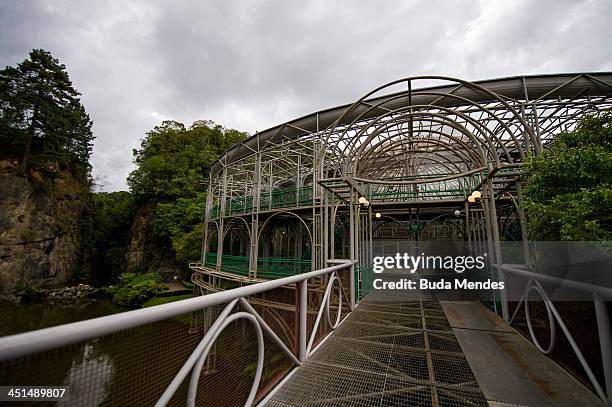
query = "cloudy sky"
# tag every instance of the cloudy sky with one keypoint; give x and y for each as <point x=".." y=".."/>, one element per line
<point x="252" y="64"/>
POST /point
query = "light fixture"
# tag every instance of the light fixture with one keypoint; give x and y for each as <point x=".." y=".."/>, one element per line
<point x="378" y="215"/>
<point x="362" y="200"/>
<point x="471" y="199"/>
<point x="457" y="213"/>
<point x="366" y="204"/>
<point x="476" y="194"/>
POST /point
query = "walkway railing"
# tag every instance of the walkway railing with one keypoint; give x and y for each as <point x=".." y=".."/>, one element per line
<point x="536" y="285"/>
<point x="233" y="345"/>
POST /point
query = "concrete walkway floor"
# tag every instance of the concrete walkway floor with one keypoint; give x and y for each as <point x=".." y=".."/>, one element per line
<point x="508" y="368"/>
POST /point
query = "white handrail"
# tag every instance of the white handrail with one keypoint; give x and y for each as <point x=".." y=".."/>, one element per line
<point x="14" y="346"/>
<point x="603" y="323"/>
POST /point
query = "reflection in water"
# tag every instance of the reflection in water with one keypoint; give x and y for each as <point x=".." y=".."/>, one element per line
<point x="89" y="377"/>
<point x="134" y="366"/>
<point x="18" y="318"/>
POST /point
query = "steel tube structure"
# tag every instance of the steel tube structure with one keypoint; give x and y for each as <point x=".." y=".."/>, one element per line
<point x="412" y="150"/>
<point x="419" y="150"/>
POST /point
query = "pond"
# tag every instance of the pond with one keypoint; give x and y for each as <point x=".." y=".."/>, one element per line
<point x="18" y="318"/>
<point x="133" y="367"/>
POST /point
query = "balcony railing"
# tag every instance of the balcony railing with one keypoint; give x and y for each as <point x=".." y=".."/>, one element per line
<point x="226" y="348"/>
<point x="458" y="188"/>
<point x="266" y="267"/>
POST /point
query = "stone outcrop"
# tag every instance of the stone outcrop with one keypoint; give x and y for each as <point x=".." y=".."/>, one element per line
<point x="39" y="227"/>
<point x="145" y="252"/>
<point x="69" y="295"/>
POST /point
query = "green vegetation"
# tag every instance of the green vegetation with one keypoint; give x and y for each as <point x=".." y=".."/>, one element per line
<point x="164" y="300"/>
<point x="171" y="176"/>
<point x="105" y="234"/>
<point x="172" y="171"/>
<point x="29" y="293"/>
<point x="568" y="189"/>
<point x="135" y="289"/>
<point x="42" y="120"/>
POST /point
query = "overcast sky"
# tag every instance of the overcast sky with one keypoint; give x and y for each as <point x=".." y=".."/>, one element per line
<point x="250" y="65"/>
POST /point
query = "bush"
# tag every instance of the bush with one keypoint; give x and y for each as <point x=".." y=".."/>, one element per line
<point x="29" y="294"/>
<point x="134" y="289"/>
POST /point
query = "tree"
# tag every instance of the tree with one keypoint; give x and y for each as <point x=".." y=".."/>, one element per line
<point x="172" y="171"/>
<point x="568" y="188"/>
<point x="41" y="117"/>
<point x="104" y="236"/>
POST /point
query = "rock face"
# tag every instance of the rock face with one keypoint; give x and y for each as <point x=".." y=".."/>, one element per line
<point x="145" y="252"/>
<point x="39" y="227"/>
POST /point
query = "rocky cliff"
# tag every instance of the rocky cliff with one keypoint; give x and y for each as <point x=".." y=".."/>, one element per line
<point x="146" y="252"/>
<point x="39" y="227"/>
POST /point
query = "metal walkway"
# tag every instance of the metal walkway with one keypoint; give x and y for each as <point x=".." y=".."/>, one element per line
<point x="388" y="352"/>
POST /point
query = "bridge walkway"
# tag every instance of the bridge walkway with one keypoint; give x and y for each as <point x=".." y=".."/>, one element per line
<point x="391" y="351"/>
<point x="394" y="351"/>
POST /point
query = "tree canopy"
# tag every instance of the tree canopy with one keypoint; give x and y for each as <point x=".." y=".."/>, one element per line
<point x="42" y="119"/>
<point x="172" y="171"/>
<point x="568" y="188"/>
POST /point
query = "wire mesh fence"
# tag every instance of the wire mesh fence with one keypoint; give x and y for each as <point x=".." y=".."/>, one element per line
<point x="135" y="366"/>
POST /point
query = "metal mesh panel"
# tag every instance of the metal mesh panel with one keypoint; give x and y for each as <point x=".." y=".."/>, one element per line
<point x="279" y="310"/>
<point x="134" y="367"/>
<point x="127" y="368"/>
<point x="389" y="352"/>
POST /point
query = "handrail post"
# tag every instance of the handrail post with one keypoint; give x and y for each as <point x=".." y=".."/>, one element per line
<point x="303" y="318"/>
<point x="605" y="343"/>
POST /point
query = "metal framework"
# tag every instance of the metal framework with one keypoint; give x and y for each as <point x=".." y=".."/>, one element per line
<point x="315" y="194"/>
<point x="287" y="199"/>
<point x="399" y="163"/>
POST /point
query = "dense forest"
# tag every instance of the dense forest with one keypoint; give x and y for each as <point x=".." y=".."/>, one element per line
<point x="46" y="141"/>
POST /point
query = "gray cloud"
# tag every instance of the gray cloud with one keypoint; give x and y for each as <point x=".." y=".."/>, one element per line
<point x="251" y="65"/>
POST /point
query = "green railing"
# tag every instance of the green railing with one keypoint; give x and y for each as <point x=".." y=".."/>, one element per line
<point x="283" y="198"/>
<point x="277" y="198"/>
<point x="364" y="276"/>
<point x="281" y="267"/>
<point x="210" y="259"/>
<point x="458" y="188"/>
<point x="266" y="267"/>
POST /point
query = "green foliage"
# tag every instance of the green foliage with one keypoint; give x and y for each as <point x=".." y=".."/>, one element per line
<point x="174" y="161"/>
<point x="105" y="230"/>
<point x="42" y="119"/>
<point x="568" y="189"/>
<point x="29" y="293"/>
<point x="173" y="164"/>
<point x="135" y="289"/>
